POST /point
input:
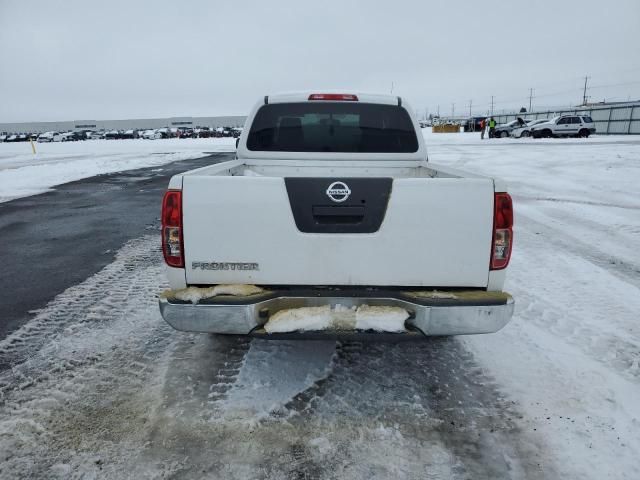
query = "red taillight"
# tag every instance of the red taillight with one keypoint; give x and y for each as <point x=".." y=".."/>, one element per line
<point x="502" y="231"/>
<point x="172" y="248"/>
<point x="344" y="97"/>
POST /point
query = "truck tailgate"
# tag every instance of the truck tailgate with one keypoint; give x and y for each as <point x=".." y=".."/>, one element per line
<point x="433" y="232"/>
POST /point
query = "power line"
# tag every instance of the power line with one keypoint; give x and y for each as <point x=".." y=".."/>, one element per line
<point x="615" y="84"/>
<point x="555" y="94"/>
<point x="585" y="88"/>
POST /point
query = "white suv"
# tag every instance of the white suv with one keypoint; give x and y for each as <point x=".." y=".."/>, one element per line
<point x="565" y="126"/>
<point x="45" y="137"/>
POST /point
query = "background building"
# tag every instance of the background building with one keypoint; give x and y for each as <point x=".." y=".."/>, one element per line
<point x="135" y="124"/>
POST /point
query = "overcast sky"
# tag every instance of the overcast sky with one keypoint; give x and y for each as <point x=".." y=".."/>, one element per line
<point x="72" y="60"/>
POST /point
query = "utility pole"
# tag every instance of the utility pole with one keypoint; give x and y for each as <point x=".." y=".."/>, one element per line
<point x="584" y="92"/>
<point x="470" y="103"/>
<point x="530" y="97"/>
<point x="453" y="110"/>
<point x="438" y="111"/>
<point x="492" y="105"/>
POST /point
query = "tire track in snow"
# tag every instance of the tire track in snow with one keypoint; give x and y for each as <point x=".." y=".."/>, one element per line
<point x="556" y="237"/>
<point x="420" y="410"/>
<point x="105" y="297"/>
<point x="440" y="416"/>
<point x="84" y="380"/>
<point x="597" y="314"/>
<point x="578" y="202"/>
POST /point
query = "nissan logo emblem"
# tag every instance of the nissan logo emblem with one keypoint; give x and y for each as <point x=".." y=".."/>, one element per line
<point x="338" y="191"/>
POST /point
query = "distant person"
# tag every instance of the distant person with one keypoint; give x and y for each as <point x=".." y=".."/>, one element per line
<point x="492" y="127"/>
<point x="483" y="126"/>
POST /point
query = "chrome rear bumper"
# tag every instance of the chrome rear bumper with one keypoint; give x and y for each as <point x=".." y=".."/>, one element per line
<point x="461" y="313"/>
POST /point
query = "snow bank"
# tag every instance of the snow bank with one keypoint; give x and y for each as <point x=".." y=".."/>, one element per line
<point x="23" y="174"/>
<point x="340" y="317"/>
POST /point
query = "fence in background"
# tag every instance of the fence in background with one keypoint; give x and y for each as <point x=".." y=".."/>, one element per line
<point x="618" y="119"/>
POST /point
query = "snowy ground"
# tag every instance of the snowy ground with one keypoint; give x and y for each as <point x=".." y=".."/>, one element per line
<point x="22" y="173"/>
<point x="102" y="388"/>
<point x="570" y="358"/>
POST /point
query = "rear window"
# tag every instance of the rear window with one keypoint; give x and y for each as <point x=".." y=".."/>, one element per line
<point x="332" y="127"/>
<point x="587" y="119"/>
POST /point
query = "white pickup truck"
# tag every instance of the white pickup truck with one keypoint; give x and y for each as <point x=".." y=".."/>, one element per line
<point x="331" y="222"/>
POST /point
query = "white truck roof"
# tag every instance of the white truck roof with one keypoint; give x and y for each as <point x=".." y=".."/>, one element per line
<point x="304" y="96"/>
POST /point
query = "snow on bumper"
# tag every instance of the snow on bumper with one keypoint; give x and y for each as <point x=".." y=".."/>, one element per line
<point x="429" y="312"/>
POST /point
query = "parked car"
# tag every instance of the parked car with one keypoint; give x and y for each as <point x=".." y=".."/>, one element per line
<point x="202" y="132"/>
<point x="185" y="132"/>
<point x="83" y="134"/>
<point x="504" y="130"/>
<point x="129" y="134"/>
<point x="113" y="135"/>
<point x="365" y="262"/>
<point x="16" y="137"/>
<point x="79" y="135"/>
<point x="151" y="135"/>
<point x="565" y="126"/>
<point x="95" y="135"/>
<point x="164" y="132"/>
<point x="46" y="137"/>
<point x="525" y="130"/>
<point x="73" y="136"/>
<point x="3" y="137"/>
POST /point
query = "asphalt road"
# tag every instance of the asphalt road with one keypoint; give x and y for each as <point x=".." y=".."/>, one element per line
<point x="57" y="239"/>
